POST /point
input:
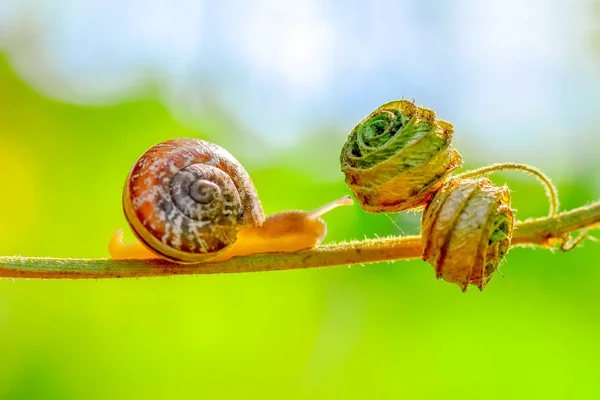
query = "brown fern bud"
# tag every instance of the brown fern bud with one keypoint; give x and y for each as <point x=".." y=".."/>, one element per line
<point x="466" y="230"/>
<point x="397" y="157"/>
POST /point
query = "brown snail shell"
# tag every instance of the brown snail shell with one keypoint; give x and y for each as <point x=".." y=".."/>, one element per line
<point x="397" y="157"/>
<point x="466" y="230"/>
<point x="186" y="199"/>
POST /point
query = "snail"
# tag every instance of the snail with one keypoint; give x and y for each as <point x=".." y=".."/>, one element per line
<point x="189" y="201"/>
<point x="397" y="157"/>
<point x="466" y="230"/>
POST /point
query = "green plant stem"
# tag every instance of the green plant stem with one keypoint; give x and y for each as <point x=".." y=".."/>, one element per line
<point x="546" y="232"/>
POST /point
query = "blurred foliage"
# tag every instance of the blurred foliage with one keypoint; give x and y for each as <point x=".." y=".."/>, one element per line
<point x="380" y="331"/>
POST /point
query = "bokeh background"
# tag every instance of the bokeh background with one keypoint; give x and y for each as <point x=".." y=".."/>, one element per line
<point x="86" y="87"/>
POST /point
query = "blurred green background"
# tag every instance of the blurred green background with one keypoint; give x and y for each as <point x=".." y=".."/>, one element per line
<point x="379" y="331"/>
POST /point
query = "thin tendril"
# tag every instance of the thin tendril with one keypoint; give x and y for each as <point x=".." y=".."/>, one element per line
<point x="551" y="191"/>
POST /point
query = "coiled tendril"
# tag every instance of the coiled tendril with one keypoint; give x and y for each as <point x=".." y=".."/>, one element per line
<point x="397" y="157"/>
<point x="466" y="230"/>
<point x="400" y="157"/>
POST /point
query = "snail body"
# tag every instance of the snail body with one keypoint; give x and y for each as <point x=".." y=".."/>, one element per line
<point x="188" y="201"/>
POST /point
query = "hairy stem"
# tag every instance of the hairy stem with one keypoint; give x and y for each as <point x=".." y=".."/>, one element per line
<point x="551" y="190"/>
<point x="546" y="232"/>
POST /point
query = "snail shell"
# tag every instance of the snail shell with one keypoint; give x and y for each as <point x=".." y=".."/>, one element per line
<point x="466" y="230"/>
<point x="397" y="157"/>
<point x="186" y="199"/>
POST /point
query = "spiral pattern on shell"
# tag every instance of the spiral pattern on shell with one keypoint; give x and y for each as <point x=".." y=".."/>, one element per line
<point x="466" y="230"/>
<point x="186" y="199"/>
<point x="397" y="157"/>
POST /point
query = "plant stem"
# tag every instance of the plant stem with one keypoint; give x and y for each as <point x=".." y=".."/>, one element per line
<point x="546" y="232"/>
<point x="551" y="190"/>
